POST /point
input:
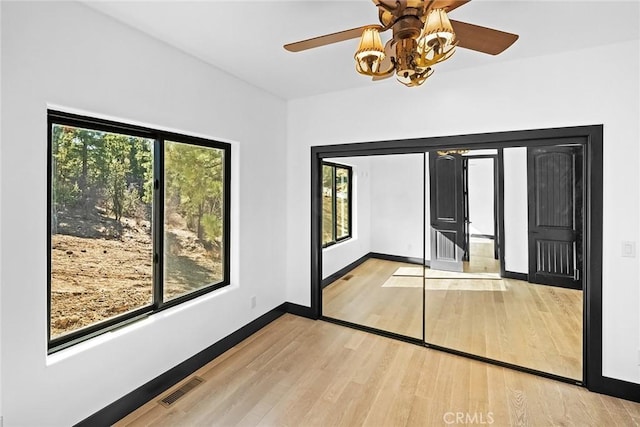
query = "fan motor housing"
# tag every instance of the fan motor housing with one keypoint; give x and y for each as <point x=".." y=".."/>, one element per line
<point x="407" y="27"/>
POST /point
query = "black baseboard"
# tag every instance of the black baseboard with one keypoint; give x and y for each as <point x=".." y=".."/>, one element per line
<point x="525" y="278"/>
<point x="143" y="394"/>
<point x="398" y="258"/>
<point x="516" y="276"/>
<point x="616" y="388"/>
<point x="298" y="310"/>
<point x="560" y="285"/>
<point x="338" y="274"/>
<point x="138" y="397"/>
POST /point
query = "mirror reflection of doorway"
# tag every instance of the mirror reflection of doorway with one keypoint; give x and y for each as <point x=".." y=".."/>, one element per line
<point x="514" y="317"/>
<point x="489" y="307"/>
<point x="481" y="251"/>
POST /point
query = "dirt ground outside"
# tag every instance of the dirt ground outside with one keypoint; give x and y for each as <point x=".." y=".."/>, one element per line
<point x="100" y="269"/>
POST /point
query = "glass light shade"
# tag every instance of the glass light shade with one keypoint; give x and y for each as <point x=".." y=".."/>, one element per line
<point x="370" y="52"/>
<point x="414" y="79"/>
<point x="437" y="31"/>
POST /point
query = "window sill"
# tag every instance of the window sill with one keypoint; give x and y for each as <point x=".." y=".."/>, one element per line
<point x="72" y="348"/>
<point x="334" y="244"/>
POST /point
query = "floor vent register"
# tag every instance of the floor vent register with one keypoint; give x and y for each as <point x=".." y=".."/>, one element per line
<point x="175" y="395"/>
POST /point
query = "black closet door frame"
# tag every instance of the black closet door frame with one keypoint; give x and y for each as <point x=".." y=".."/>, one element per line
<point x="591" y="136"/>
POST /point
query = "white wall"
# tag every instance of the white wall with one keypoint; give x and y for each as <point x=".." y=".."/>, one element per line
<point x="481" y="197"/>
<point x="516" y="225"/>
<point x="387" y="210"/>
<point x="1" y="160"/>
<point x="68" y="55"/>
<point x="558" y="90"/>
<point x="397" y="197"/>
<point x="338" y="256"/>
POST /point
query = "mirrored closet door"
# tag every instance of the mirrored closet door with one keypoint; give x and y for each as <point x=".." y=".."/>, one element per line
<point x="472" y="251"/>
<point x="529" y="313"/>
<point x="374" y="278"/>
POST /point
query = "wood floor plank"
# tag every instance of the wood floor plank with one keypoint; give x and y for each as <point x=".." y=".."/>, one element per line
<point x="497" y="395"/>
<point x="370" y="380"/>
<point x="530" y="325"/>
<point x="421" y="410"/>
<point x="393" y="309"/>
<point x="382" y="411"/>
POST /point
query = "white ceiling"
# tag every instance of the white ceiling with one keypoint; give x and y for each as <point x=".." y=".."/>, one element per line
<point x="245" y="38"/>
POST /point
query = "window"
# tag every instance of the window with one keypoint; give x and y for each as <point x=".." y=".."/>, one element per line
<point x="336" y="203"/>
<point x="139" y="221"/>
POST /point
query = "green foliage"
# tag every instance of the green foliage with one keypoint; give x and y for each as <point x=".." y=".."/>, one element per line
<point x="194" y="187"/>
<point x="114" y="172"/>
<point x="327" y="203"/>
<point x="92" y="168"/>
<point x="327" y="178"/>
<point x="212" y="227"/>
<point x="66" y="166"/>
<point x="141" y="160"/>
<point x="132" y="205"/>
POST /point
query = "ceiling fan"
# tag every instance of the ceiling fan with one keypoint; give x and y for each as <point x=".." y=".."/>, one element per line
<point x="423" y="35"/>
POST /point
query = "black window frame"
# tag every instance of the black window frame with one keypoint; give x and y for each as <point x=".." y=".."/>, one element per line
<point x="334" y="200"/>
<point x="55" y="117"/>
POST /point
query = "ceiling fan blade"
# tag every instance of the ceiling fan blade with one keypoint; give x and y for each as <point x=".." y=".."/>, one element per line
<point x="327" y="39"/>
<point x="449" y="5"/>
<point x="482" y="39"/>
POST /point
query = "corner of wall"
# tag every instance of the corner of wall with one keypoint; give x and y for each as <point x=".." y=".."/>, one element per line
<point x="1" y="121"/>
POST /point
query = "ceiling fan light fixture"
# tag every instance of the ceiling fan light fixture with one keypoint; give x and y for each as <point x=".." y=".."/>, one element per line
<point x="414" y="79"/>
<point x="437" y="33"/>
<point x="422" y="36"/>
<point x="407" y="71"/>
<point x="370" y="53"/>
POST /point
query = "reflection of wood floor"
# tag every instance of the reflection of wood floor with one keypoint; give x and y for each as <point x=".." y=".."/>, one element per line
<point x="481" y="259"/>
<point x="534" y="326"/>
<point x="300" y="372"/>
<point x="359" y="297"/>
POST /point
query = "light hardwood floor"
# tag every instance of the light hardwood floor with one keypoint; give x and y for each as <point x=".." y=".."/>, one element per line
<point x="538" y="327"/>
<point x="481" y="256"/>
<point x="359" y="297"/>
<point x="300" y="372"/>
<point x="535" y="326"/>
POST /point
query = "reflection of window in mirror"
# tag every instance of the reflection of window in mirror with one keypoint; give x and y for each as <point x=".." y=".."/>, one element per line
<point x="336" y="203"/>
